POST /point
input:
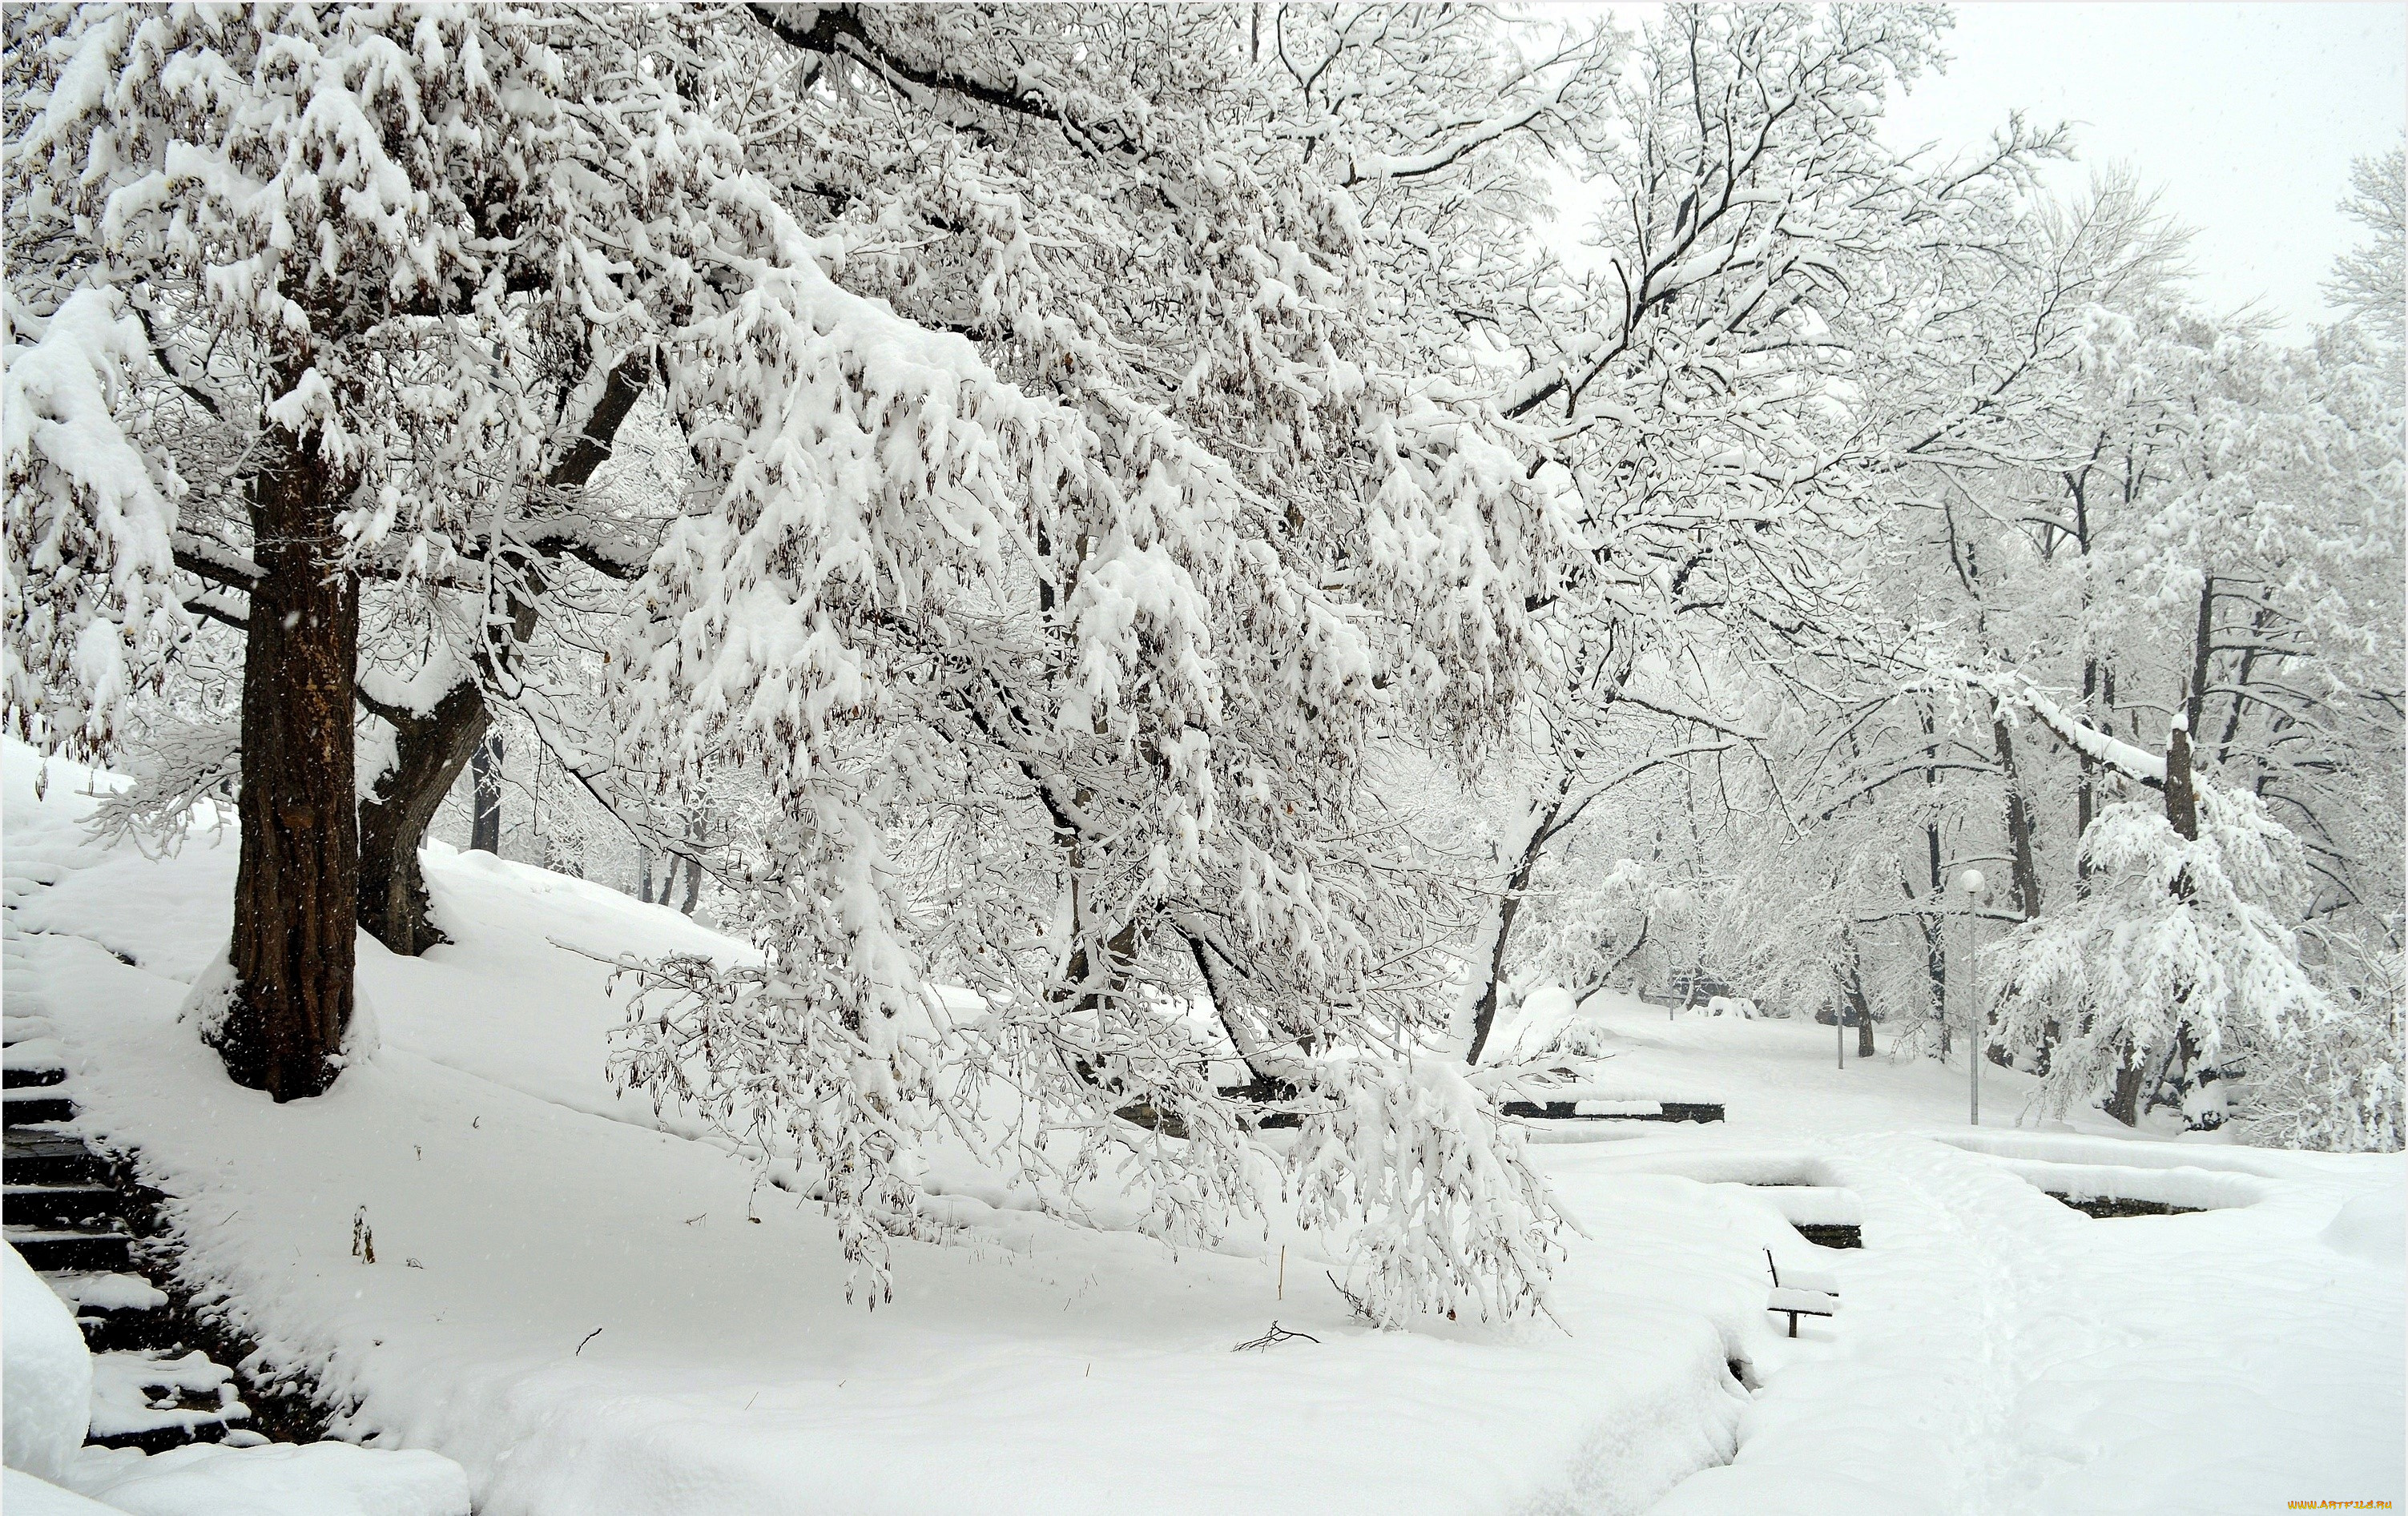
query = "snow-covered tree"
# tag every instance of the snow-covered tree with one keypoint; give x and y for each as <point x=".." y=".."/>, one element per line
<point x="2181" y="953"/>
<point x="1086" y="477"/>
<point x="1765" y="271"/>
<point x="1078" y="714"/>
<point x="2367" y="281"/>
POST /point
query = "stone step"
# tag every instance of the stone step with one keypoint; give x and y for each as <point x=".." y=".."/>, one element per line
<point x="13" y="1078"/>
<point x="163" y="1439"/>
<point x="154" y="1401"/>
<point x="48" y="1248"/>
<point x="57" y="1204"/>
<point x="122" y="1330"/>
<point x="26" y="1107"/>
<point x="47" y="1158"/>
<point x="119" y="1312"/>
<point x="16" y="1029"/>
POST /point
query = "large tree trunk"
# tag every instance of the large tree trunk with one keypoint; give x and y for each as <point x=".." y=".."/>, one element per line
<point x="1935" y="939"/>
<point x="1856" y="1002"/>
<point x="2124" y="1103"/>
<point x="2182" y="792"/>
<point x="393" y="898"/>
<point x="485" y="825"/>
<point x="431" y="750"/>
<point x="297" y="882"/>
<point x="2019" y="824"/>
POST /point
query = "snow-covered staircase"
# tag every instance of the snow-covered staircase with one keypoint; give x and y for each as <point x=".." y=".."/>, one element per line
<point x="60" y="1207"/>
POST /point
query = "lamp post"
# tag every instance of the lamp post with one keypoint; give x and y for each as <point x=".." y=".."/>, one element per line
<point x="1971" y="882"/>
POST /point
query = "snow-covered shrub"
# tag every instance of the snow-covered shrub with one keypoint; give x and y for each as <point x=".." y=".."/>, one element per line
<point x="818" y="1057"/>
<point x="1452" y="1220"/>
<point x="1621" y="926"/>
<point x="2179" y="959"/>
<point x="2337" y="1086"/>
<point x="1547" y="1027"/>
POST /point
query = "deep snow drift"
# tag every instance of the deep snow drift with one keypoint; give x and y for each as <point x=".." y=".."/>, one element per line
<point x="597" y="1312"/>
<point x="49" y="1376"/>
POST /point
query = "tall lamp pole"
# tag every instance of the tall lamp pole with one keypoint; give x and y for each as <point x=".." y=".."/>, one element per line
<point x="1971" y="882"/>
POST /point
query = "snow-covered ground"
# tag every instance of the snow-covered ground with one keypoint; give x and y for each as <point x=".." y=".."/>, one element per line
<point x="594" y="1311"/>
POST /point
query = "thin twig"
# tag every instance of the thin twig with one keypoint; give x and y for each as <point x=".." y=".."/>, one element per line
<point x="1277" y="1334"/>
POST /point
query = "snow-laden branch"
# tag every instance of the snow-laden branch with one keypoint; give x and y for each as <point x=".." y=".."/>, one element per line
<point x="839" y="31"/>
<point x="2133" y="762"/>
<point x="214" y="561"/>
<point x="1689" y="713"/>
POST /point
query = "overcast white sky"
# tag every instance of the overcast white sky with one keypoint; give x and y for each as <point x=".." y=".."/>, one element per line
<point x="2245" y="115"/>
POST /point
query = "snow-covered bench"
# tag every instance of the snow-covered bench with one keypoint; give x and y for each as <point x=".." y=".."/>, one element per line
<point x="1802" y="1293"/>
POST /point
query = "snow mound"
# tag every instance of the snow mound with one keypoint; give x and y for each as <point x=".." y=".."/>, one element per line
<point x="21" y="1495"/>
<point x="280" y="1479"/>
<point x="47" y="1404"/>
<point x="2372" y="1228"/>
<point x="2126" y="1153"/>
<point x="1766" y="1167"/>
<point x="1534" y="1028"/>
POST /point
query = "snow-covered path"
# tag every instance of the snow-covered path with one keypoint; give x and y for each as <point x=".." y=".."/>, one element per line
<point x="2001" y="1353"/>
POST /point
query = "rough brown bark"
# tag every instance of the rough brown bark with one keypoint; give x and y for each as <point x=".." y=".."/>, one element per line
<point x="2182" y="794"/>
<point x="1935" y="941"/>
<point x="297" y="882"/>
<point x="2124" y="1103"/>
<point x="2019" y="824"/>
<point x="485" y="822"/>
<point x="1857" y="1002"/>
<point x="431" y="750"/>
